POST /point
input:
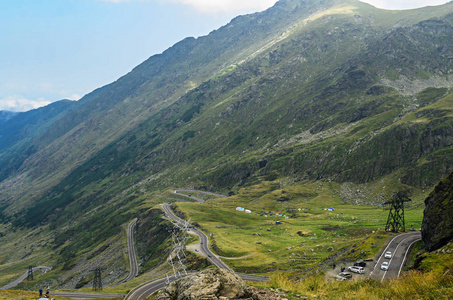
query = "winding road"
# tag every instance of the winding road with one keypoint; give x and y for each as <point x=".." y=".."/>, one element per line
<point x="399" y="246"/>
<point x="146" y="289"/>
<point x="179" y="192"/>
<point x="131" y="253"/>
<point x="22" y="278"/>
<point x="132" y="273"/>
<point x="204" y="241"/>
<point x="77" y="295"/>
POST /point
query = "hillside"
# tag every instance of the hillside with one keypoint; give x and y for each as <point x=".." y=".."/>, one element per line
<point x="329" y="91"/>
<point x="437" y="221"/>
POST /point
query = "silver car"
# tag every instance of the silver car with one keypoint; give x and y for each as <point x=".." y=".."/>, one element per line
<point x="388" y="254"/>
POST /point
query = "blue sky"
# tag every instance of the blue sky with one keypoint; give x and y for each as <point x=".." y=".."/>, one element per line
<point x="57" y="49"/>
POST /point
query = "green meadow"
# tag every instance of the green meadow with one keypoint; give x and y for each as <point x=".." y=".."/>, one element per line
<point x="290" y="227"/>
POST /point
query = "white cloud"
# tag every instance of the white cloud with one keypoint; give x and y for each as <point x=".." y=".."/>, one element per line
<point x="217" y="6"/>
<point x="75" y="97"/>
<point x="404" y="4"/>
<point x="229" y="6"/>
<point x="19" y="103"/>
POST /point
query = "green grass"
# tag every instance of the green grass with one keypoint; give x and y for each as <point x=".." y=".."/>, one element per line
<point x="308" y="236"/>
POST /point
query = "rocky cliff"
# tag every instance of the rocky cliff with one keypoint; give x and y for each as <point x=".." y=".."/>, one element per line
<point x="437" y="227"/>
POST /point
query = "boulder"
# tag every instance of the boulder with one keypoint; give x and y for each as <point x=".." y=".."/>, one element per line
<point x="211" y="284"/>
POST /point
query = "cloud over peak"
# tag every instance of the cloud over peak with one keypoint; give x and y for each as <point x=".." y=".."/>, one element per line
<point x="229" y="6"/>
<point x="217" y="6"/>
<point x="19" y="103"/>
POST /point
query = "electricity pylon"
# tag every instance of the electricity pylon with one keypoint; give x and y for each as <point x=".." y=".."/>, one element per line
<point x="177" y="255"/>
<point x="30" y="273"/>
<point x="395" y="220"/>
<point x="97" y="280"/>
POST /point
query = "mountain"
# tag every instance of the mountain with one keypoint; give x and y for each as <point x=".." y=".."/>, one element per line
<point x="329" y="90"/>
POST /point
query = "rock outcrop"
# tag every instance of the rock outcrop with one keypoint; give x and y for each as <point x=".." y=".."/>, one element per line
<point x="437" y="226"/>
<point x="211" y="284"/>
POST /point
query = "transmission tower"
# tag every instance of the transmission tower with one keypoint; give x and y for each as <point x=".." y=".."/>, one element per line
<point x="177" y="255"/>
<point x="30" y="273"/>
<point x="395" y="220"/>
<point x="97" y="282"/>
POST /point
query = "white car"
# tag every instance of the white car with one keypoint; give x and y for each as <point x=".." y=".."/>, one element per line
<point x="388" y="254"/>
<point x="356" y="269"/>
<point x="385" y="266"/>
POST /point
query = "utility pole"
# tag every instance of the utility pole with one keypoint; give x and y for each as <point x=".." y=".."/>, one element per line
<point x="30" y="273"/>
<point x="97" y="282"/>
<point x="395" y="220"/>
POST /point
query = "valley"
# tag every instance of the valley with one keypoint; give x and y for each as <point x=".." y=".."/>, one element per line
<point x="280" y="136"/>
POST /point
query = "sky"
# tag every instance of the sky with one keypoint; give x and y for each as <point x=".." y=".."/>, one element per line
<point x="63" y="49"/>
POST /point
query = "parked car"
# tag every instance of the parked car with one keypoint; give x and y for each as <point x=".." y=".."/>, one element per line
<point x="385" y="266"/>
<point x="388" y="254"/>
<point x="343" y="276"/>
<point x="360" y="263"/>
<point x="356" y="269"/>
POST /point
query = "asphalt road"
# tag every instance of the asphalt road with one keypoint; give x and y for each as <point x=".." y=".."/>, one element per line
<point x="22" y="278"/>
<point x="146" y="289"/>
<point x="178" y="192"/>
<point x="133" y="271"/>
<point x="131" y="253"/>
<point x="143" y="291"/>
<point x="83" y="295"/>
<point x="399" y="246"/>
<point x="204" y="241"/>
